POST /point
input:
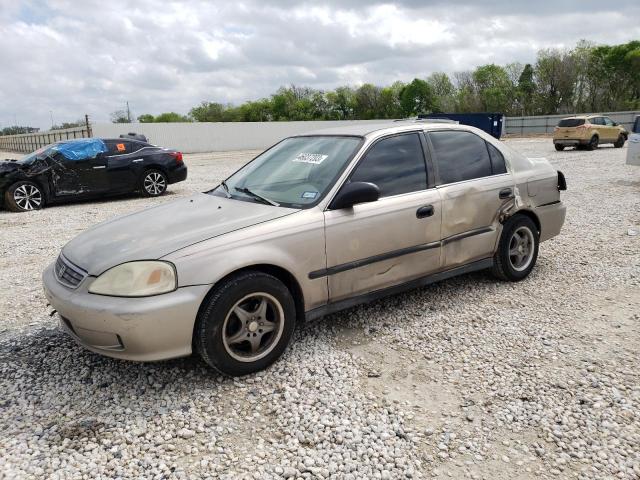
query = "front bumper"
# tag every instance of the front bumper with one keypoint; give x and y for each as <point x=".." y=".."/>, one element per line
<point x="140" y="329"/>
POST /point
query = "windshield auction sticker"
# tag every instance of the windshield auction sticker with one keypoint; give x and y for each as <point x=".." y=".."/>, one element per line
<point x="314" y="158"/>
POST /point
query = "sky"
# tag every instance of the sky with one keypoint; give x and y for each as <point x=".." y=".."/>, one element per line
<point x="61" y="59"/>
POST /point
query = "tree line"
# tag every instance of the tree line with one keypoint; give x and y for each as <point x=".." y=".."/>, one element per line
<point x="586" y="78"/>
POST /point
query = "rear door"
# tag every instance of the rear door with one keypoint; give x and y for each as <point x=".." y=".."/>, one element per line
<point x="124" y="164"/>
<point x="601" y="128"/>
<point x="475" y="187"/>
<point x="376" y="245"/>
<point x="633" y="152"/>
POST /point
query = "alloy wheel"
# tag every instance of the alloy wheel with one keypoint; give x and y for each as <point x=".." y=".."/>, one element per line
<point x="28" y="197"/>
<point x="521" y="248"/>
<point x="154" y="183"/>
<point x="253" y="327"/>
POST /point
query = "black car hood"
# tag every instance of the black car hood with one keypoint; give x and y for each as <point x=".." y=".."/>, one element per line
<point x="10" y="166"/>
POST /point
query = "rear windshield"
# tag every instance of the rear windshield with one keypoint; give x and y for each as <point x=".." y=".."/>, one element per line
<point x="571" y="122"/>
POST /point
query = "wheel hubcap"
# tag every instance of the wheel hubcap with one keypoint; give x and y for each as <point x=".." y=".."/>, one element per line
<point x="154" y="183"/>
<point x="521" y="248"/>
<point x="253" y="327"/>
<point x="27" y="197"/>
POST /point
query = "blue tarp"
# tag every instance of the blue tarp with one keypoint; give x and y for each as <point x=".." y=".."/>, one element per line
<point x="81" y="149"/>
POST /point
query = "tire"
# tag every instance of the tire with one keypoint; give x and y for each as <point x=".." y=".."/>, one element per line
<point x="24" y="196"/>
<point x="511" y="266"/>
<point x="593" y="143"/>
<point x="559" y="147"/>
<point x="234" y="312"/>
<point x="153" y="183"/>
<point x="619" y="143"/>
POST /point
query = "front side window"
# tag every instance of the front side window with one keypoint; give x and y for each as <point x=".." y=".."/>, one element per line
<point x="597" y="121"/>
<point x="608" y="122"/>
<point x="460" y="156"/>
<point x="395" y="164"/>
<point x="295" y="173"/>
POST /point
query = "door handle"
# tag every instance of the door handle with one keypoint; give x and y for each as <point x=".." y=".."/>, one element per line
<point x="505" y="193"/>
<point x="99" y="168"/>
<point x="425" y="211"/>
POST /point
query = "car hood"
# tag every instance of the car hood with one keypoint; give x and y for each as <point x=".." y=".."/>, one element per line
<point x="158" y="231"/>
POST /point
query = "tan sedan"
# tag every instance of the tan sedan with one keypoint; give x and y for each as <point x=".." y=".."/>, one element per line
<point x="317" y="223"/>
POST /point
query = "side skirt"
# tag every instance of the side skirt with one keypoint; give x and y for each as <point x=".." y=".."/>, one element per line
<point x="330" y="308"/>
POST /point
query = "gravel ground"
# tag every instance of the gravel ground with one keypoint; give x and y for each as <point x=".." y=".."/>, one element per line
<point x="469" y="378"/>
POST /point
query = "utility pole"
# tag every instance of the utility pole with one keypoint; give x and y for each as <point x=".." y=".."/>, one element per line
<point x="128" y="112"/>
<point x="51" y="113"/>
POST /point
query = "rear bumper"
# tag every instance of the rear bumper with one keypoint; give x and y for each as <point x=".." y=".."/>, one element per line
<point x="140" y="329"/>
<point x="570" y="141"/>
<point x="177" y="175"/>
<point x="551" y="219"/>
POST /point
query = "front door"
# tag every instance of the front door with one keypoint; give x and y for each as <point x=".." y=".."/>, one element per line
<point x="475" y="187"/>
<point x="78" y="177"/>
<point x="380" y="244"/>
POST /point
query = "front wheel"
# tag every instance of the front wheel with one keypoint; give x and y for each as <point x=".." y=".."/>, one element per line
<point x="518" y="249"/>
<point x="24" y="197"/>
<point x="619" y="143"/>
<point x="245" y="323"/>
<point x="153" y="183"/>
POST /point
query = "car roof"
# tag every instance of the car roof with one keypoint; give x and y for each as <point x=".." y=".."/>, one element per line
<point x="382" y="126"/>
<point x="582" y="117"/>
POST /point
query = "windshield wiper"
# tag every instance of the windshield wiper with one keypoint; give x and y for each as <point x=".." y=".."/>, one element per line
<point x="226" y="188"/>
<point x="256" y="196"/>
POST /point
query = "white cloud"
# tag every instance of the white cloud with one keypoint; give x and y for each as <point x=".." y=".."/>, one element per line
<point x="90" y="57"/>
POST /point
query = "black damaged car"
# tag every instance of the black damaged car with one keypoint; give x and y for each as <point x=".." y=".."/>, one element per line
<point x="88" y="168"/>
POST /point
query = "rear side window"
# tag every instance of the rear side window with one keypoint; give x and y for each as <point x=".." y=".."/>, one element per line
<point x="571" y="122"/>
<point x="396" y="165"/>
<point x="460" y="156"/>
<point x="498" y="164"/>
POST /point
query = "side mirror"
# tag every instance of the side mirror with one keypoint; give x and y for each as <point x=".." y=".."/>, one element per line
<point x="353" y="193"/>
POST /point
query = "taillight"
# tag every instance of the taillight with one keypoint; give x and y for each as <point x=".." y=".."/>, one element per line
<point x="555" y="129"/>
<point x="177" y="156"/>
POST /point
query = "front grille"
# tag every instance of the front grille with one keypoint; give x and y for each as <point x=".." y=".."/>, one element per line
<point x="67" y="273"/>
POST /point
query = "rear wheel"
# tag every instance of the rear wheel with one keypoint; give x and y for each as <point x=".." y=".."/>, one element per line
<point x="619" y="143"/>
<point x="24" y="197"/>
<point x="518" y="249"/>
<point x="245" y="324"/>
<point x="559" y="147"/>
<point x="153" y="183"/>
<point x="593" y="143"/>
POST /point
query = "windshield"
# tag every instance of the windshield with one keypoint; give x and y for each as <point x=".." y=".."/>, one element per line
<point x="296" y="172"/>
<point x="40" y="153"/>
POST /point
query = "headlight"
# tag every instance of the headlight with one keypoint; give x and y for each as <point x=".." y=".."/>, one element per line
<point x="136" y="279"/>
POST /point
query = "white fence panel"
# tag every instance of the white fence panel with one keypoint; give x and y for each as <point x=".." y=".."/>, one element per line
<point x="544" y="124"/>
<point x="217" y="137"/>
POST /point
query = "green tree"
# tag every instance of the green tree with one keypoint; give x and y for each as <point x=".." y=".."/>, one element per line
<point x="443" y="90"/>
<point x="417" y="97"/>
<point x="170" y="117"/>
<point x="119" y="116"/>
<point x="368" y="102"/>
<point x="494" y="88"/>
<point x="146" y="118"/>
<point x="526" y="90"/>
